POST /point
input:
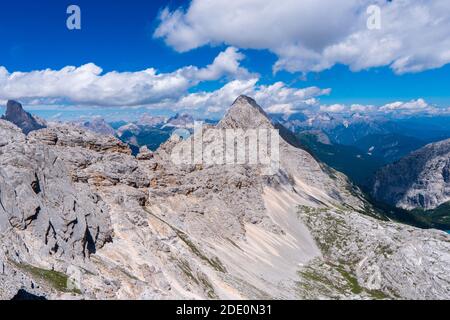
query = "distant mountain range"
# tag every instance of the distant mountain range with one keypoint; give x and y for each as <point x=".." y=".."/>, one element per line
<point x="359" y="145"/>
<point x="97" y="125"/>
<point x="147" y="131"/>
<point x="350" y="129"/>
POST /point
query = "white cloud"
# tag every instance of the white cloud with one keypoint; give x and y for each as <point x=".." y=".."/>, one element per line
<point x="283" y="108"/>
<point x="413" y="106"/>
<point x="400" y="108"/>
<point x="276" y="98"/>
<point x="279" y="97"/>
<point x="362" y="108"/>
<point x="88" y="84"/>
<point x="313" y="35"/>
<point x="214" y="100"/>
<point x="333" y="108"/>
<point x="226" y="63"/>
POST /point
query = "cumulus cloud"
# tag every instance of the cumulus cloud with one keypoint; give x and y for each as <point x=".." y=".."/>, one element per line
<point x="333" y="108"/>
<point x="217" y="100"/>
<point x="275" y="98"/>
<point x="362" y="108"/>
<point x="314" y="35"/>
<point x="353" y="108"/>
<point x="88" y="84"/>
<point x="282" y="108"/>
<point x="226" y="63"/>
<point x="413" y="106"/>
<point x="279" y="98"/>
<point x="418" y="106"/>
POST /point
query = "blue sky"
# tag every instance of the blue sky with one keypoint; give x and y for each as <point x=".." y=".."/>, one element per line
<point x="119" y="36"/>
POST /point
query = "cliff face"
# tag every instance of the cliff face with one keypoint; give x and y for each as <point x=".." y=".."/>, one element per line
<point x="25" y="121"/>
<point x="145" y="228"/>
<point x="420" y="180"/>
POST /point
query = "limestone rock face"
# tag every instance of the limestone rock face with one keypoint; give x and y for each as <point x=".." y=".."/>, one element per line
<point x="25" y="121"/>
<point x="38" y="196"/>
<point x="66" y="135"/>
<point x="144" y="154"/>
<point x="51" y="217"/>
<point x="146" y="228"/>
<point x="10" y="134"/>
<point x="420" y="180"/>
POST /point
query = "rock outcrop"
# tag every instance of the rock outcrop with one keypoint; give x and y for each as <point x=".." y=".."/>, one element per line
<point x="24" y="120"/>
<point x="419" y="180"/>
<point x="147" y="228"/>
<point x="97" y="125"/>
<point x="45" y="218"/>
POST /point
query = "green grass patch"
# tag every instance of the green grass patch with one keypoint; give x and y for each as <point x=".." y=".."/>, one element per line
<point x="199" y="279"/>
<point x="213" y="262"/>
<point x="351" y="280"/>
<point x="184" y="266"/>
<point x="55" y="279"/>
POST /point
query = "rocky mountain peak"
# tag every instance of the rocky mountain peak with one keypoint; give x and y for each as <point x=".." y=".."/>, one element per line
<point x="13" y="106"/>
<point x="245" y="99"/>
<point x="17" y="115"/>
<point x="419" y="180"/>
<point x="245" y="113"/>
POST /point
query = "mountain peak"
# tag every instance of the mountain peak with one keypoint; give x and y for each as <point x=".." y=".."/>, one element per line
<point x="17" y="115"/>
<point x="247" y="101"/>
<point x="245" y="113"/>
<point x="244" y="98"/>
<point x="13" y="106"/>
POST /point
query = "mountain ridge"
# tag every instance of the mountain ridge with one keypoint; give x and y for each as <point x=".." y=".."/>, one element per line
<point x="17" y="115"/>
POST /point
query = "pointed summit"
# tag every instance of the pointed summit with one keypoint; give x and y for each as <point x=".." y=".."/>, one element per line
<point x="246" y="99"/>
<point x="245" y="113"/>
<point x="24" y="120"/>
